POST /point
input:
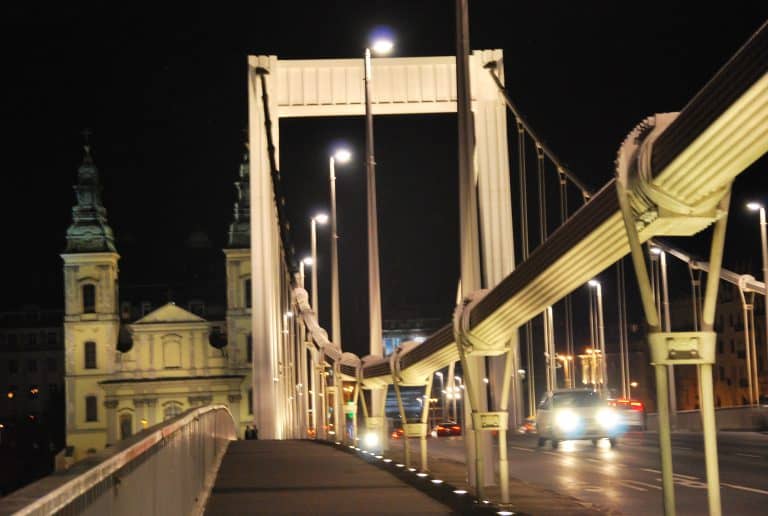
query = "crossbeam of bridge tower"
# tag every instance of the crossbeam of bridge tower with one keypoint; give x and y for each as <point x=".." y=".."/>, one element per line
<point x="334" y="87"/>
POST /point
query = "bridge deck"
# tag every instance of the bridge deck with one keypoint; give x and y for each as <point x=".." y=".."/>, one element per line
<point x="302" y="477"/>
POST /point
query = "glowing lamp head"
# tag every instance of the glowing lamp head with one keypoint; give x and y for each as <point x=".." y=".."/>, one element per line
<point x="342" y="155"/>
<point x="371" y="440"/>
<point x="308" y="261"/>
<point x="754" y="206"/>
<point x="593" y="283"/>
<point x="382" y="46"/>
<point x="655" y="250"/>
<point x="321" y="218"/>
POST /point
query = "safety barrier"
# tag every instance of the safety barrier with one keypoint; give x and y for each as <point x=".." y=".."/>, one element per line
<point x="727" y="418"/>
<point x="165" y="469"/>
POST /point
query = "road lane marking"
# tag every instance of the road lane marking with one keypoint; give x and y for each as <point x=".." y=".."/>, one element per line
<point x="646" y="484"/>
<point x="745" y="488"/>
<point x="651" y="470"/>
<point x="521" y="448"/>
<point x="595" y="460"/>
<point x="749" y="455"/>
<point x="689" y="477"/>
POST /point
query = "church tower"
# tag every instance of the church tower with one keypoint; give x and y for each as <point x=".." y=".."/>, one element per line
<point x="238" y="263"/>
<point x="91" y="321"/>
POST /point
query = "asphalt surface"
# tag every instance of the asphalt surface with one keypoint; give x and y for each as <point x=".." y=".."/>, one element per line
<point x="627" y="479"/>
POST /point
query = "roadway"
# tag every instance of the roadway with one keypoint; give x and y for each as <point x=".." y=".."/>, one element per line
<point x="627" y="478"/>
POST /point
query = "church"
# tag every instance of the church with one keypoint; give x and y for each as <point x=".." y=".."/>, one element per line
<point x="122" y="376"/>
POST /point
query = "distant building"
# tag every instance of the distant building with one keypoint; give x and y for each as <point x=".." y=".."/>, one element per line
<point x="730" y="376"/>
<point x="130" y="365"/>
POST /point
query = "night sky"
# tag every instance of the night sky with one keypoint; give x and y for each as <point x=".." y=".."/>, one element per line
<point x="163" y="87"/>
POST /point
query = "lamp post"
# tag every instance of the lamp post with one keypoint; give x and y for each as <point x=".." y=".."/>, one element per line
<point x="306" y="261"/>
<point x="342" y="156"/>
<point x="439" y="374"/>
<point x="601" y="331"/>
<point x="320" y="218"/>
<point x="753" y="206"/>
<point x="381" y="46"/>
<point x="378" y="396"/>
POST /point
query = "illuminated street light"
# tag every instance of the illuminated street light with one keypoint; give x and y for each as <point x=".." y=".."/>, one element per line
<point x="320" y="218"/>
<point x="306" y="261"/>
<point x="601" y="330"/>
<point x="376" y="344"/>
<point x="754" y="206"/>
<point x="342" y="156"/>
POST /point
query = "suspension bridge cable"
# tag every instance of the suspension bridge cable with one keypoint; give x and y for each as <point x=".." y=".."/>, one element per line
<point x="521" y="121"/>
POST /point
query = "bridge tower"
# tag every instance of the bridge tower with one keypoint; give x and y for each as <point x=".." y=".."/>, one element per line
<point x="238" y="264"/>
<point x="91" y="321"/>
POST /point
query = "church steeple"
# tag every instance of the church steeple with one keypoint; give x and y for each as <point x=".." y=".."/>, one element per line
<point x="240" y="229"/>
<point x="89" y="231"/>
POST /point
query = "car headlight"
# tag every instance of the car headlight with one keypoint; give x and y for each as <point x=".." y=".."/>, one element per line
<point x="608" y="418"/>
<point x="567" y="420"/>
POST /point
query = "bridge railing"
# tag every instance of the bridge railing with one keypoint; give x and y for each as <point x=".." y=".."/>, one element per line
<point x="727" y="418"/>
<point x="166" y="469"/>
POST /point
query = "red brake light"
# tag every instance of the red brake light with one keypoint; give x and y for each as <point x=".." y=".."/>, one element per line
<point x="636" y="405"/>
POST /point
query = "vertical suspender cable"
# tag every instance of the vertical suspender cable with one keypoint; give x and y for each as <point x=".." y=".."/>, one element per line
<point x="568" y="305"/>
<point x="525" y="249"/>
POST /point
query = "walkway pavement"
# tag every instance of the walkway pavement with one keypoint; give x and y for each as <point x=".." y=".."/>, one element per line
<point x="304" y="477"/>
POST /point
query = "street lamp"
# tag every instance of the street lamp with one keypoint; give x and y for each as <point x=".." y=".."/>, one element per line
<point x="439" y="374"/>
<point x="601" y="330"/>
<point x="378" y="396"/>
<point x="306" y="261"/>
<point x="342" y="156"/>
<point x="753" y="206"/>
<point x="320" y="218"/>
<point x="380" y="46"/>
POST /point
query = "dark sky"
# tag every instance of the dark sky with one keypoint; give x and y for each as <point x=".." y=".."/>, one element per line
<point x="163" y="86"/>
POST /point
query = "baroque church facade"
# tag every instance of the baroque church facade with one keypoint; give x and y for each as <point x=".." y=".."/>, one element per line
<point x="122" y="377"/>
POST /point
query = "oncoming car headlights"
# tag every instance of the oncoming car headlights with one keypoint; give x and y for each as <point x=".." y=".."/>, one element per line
<point x="608" y="418"/>
<point x="567" y="420"/>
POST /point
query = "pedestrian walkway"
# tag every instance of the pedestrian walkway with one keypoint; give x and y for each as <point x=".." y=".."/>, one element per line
<point x="305" y="477"/>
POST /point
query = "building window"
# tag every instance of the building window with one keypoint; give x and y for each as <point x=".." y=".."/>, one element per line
<point x="89" y="299"/>
<point x="171" y="410"/>
<point x="126" y="426"/>
<point x="720" y="346"/>
<point x="31" y="340"/>
<point x="90" y="355"/>
<point x="91" y="413"/>
<point x="34" y="391"/>
<point x="146" y="307"/>
<point x="249" y="348"/>
<point x="247" y="289"/>
<point x="722" y="372"/>
<point x="32" y="365"/>
<point x="53" y="339"/>
<point x="51" y="365"/>
<point x="250" y="401"/>
<point x="13" y="366"/>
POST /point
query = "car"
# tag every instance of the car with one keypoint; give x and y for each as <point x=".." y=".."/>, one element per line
<point x="528" y="426"/>
<point x="446" y="429"/>
<point x="397" y="433"/>
<point x="569" y="414"/>
<point x="632" y="412"/>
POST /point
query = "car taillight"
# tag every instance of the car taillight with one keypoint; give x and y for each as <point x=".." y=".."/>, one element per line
<point x="456" y="428"/>
<point x="636" y="405"/>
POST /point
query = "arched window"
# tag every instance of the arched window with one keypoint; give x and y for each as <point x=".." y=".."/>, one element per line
<point x="90" y="355"/>
<point x="247" y="292"/>
<point x="249" y="348"/>
<point x="171" y="410"/>
<point x="89" y="298"/>
<point x="91" y="409"/>
<point x="126" y="425"/>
